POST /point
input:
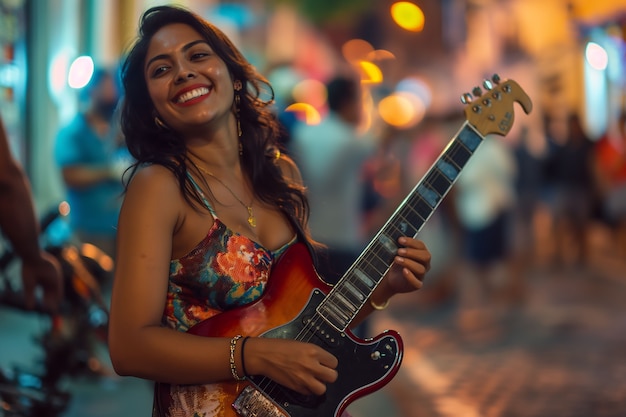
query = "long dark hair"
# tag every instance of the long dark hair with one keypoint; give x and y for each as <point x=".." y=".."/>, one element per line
<point x="149" y="144"/>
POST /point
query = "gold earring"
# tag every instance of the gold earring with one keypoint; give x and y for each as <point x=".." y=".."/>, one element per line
<point x="238" y="86"/>
<point x="160" y="124"/>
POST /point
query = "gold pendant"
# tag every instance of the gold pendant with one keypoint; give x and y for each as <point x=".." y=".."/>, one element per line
<point x="251" y="219"/>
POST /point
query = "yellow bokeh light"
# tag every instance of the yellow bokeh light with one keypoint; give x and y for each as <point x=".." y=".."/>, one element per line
<point x="370" y="73"/>
<point x="408" y="16"/>
<point x="307" y="113"/>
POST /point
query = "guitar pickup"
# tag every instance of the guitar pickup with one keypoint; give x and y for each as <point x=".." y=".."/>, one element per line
<point x="328" y="335"/>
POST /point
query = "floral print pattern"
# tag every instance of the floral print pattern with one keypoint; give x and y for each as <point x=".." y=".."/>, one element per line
<point x="224" y="271"/>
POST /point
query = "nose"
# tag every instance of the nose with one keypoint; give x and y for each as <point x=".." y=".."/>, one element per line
<point x="185" y="73"/>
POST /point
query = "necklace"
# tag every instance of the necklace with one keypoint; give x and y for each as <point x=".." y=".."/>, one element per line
<point x="251" y="218"/>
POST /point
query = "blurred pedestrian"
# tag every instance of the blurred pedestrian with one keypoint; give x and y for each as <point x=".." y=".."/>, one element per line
<point x="19" y="224"/>
<point x="569" y="174"/>
<point x="484" y="197"/>
<point x="86" y="150"/>
<point x="331" y="156"/>
<point x="610" y="170"/>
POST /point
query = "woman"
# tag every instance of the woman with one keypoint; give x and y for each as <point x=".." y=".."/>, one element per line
<point x="209" y="207"/>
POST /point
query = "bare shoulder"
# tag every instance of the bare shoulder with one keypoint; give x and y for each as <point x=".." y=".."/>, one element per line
<point x="289" y="169"/>
<point x="153" y="189"/>
<point x="153" y="179"/>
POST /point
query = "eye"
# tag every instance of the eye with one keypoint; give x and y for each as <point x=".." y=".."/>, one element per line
<point x="199" y="55"/>
<point x="158" y="70"/>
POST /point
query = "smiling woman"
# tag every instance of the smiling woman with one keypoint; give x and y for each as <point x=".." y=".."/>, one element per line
<point x="211" y="208"/>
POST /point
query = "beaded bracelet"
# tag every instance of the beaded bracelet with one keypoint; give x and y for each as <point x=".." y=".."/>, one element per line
<point x="233" y="368"/>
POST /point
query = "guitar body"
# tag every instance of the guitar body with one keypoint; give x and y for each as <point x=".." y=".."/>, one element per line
<point x="364" y="365"/>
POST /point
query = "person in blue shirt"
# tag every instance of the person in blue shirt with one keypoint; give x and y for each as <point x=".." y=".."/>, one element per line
<point x="87" y="151"/>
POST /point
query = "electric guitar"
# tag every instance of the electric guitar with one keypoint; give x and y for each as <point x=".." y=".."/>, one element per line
<point x="298" y="305"/>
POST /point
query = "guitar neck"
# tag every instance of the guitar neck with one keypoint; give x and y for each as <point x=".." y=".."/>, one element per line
<point x="352" y="291"/>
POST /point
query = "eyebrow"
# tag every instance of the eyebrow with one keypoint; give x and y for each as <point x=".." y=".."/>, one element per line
<point x="185" y="48"/>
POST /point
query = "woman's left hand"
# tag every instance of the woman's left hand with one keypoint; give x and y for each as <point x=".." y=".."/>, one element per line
<point x="409" y="266"/>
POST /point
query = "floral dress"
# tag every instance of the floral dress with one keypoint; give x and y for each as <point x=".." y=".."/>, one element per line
<point x="225" y="270"/>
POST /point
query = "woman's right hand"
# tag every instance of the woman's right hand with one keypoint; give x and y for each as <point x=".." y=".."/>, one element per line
<point x="302" y="367"/>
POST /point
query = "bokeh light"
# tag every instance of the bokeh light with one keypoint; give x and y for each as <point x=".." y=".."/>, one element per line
<point x="408" y="16"/>
<point x="402" y="110"/>
<point x="356" y="50"/>
<point x="597" y="56"/>
<point x="81" y="71"/>
<point x="370" y="73"/>
<point x="305" y="113"/>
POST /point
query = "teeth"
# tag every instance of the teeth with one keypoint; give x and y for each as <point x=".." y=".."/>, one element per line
<point x="193" y="94"/>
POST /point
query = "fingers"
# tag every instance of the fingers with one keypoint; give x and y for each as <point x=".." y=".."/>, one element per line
<point x="325" y="376"/>
<point x="45" y="274"/>
<point x="323" y="373"/>
<point x="414" y="255"/>
<point x="303" y="367"/>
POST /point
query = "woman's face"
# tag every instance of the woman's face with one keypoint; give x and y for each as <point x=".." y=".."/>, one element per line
<point x="190" y="86"/>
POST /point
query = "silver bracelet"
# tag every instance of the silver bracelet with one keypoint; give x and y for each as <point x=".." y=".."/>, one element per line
<point x="233" y="368"/>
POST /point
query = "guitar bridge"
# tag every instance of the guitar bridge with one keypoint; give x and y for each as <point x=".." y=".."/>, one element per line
<point x="252" y="402"/>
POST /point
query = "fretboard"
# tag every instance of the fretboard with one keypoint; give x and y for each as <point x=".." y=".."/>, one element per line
<point x="349" y="295"/>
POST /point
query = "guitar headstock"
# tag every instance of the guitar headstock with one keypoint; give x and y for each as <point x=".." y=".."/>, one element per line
<point x="492" y="111"/>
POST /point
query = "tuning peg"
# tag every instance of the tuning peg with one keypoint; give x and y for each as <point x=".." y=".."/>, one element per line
<point x="466" y="98"/>
<point x="477" y="91"/>
<point x="488" y="85"/>
<point x="495" y="78"/>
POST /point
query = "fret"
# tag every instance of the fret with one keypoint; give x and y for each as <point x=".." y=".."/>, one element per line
<point x="338" y="298"/>
<point x="447" y="159"/>
<point x="404" y="225"/>
<point x="429" y="196"/>
<point x="405" y="220"/>
<point x="387" y="243"/>
<point x="358" y="284"/>
<point x="370" y="266"/>
<point x="468" y="137"/>
<point x="421" y="208"/>
<point x="439" y="182"/>
<point x="340" y="316"/>
<point x="351" y="289"/>
<point x="364" y="279"/>
<point x="451" y="172"/>
<point x="402" y="229"/>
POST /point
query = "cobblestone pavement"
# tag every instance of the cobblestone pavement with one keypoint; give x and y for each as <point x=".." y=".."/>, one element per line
<point x="560" y="354"/>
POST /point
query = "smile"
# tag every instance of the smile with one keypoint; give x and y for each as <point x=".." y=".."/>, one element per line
<point x="195" y="93"/>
